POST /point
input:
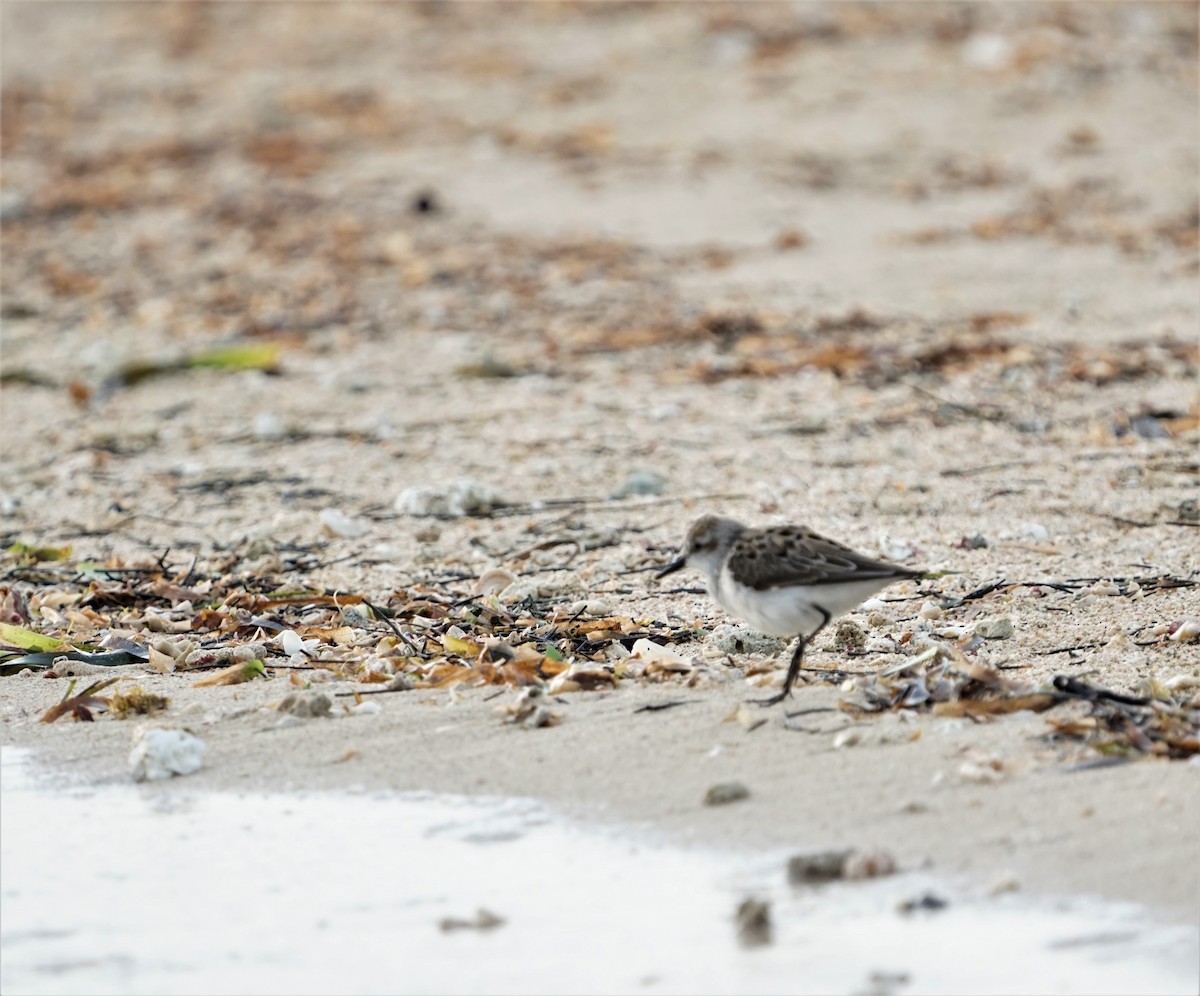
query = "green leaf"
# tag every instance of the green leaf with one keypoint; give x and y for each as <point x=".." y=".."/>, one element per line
<point x="26" y="553"/>
<point x="260" y="356"/>
<point x="27" y="639"/>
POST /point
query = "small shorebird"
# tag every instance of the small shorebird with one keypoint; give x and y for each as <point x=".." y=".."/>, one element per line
<point x="782" y="580"/>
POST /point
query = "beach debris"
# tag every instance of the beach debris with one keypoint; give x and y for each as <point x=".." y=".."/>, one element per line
<point x="819" y="867"/>
<point x="753" y="921"/>
<point x="82" y="705"/>
<point x="1003" y="882"/>
<point x="464" y="496"/>
<point x="926" y="902"/>
<point x="136" y="702"/>
<point x="1163" y="722"/>
<point x="335" y="522"/>
<point x="749" y="719"/>
<point x="724" y="793"/>
<point x="580" y="677"/>
<point x="493" y="581"/>
<point x="306" y="705"/>
<point x="529" y="709"/>
<point x="985" y="772"/>
<point x="1184" y="631"/>
<point x="868" y="864"/>
<point x="163" y="753"/>
<point x="483" y="920"/>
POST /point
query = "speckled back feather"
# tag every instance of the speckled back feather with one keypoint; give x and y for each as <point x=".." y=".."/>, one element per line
<point x="793" y="555"/>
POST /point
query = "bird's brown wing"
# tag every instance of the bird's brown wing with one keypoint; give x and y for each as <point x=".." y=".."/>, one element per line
<point x="793" y="555"/>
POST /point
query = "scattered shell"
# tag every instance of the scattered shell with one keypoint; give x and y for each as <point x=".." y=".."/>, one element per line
<point x="999" y="628"/>
<point x="493" y="581"/>
<point x="158" y="754"/>
<point x="988" y="51"/>
<point x="894" y="549"/>
<point x="753" y="919"/>
<point x="590" y="607"/>
<point x="582" y="677"/>
<point x="364" y="708"/>
<point x="653" y="653"/>
<point x="1006" y="881"/>
<point x="1185" y="631"/>
<point x="726" y="792"/>
<point x="817" y="867"/>
<point x="930" y="610"/>
<point x="730" y="639"/>
<point x="746" y="718"/>
<point x="530" y="710"/>
<point x="1034" y="532"/>
<point x="291" y="643"/>
<point x="984" y="773"/>
<point x="847" y="738"/>
<point x="336" y="523"/>
<point x="268" y="426"/>
<point x="868" y="864"/>
<point x="464" y="496"/>
<point x="873" y="605"/>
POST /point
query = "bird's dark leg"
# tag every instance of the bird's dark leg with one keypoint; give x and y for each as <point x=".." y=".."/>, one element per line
<point x="797" y="657"/>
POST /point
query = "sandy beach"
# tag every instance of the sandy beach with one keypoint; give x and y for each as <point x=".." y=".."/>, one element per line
<point x="410" y="328"/>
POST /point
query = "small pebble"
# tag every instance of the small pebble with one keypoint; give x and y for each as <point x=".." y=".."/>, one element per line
<point x="868" y="864"/>
<point x="726" y="792"/>
<point x="927" y="901"/>
<point x="1000" y="628"/>
<point x="847" y="738"/>
<point x="1004" y="882"/>
<point x="641" y="482"/>
<point x="817" y="867"/>
<point x="753" y="920"/>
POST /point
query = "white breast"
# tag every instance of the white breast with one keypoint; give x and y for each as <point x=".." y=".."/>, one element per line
<point x="789" y="611"/>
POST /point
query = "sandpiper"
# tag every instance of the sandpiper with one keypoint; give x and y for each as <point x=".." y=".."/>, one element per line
<point x="782" y="580"/>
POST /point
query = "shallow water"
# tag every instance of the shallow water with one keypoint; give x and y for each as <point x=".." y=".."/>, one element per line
<point x="135" y="890"/>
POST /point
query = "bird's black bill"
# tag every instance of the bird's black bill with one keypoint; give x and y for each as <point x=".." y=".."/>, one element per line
<point x="672" y="567"/>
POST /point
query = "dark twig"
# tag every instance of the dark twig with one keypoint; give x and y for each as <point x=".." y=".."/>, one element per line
<point x="660" y="706"/>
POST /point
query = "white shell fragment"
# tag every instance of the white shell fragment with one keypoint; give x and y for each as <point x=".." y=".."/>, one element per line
<point x="464" y="496"/>
<point x="158" y="754"/>
<point x="653" y="653"/>
<point x="493" y="581"/>
<point x="291" y="643"/>
<point x="336" y="523"/>
<point x="1186" y="631"/>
